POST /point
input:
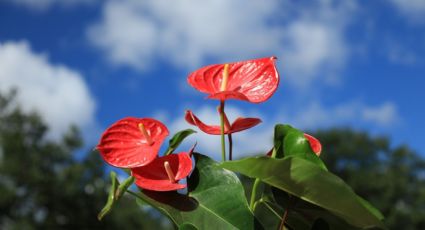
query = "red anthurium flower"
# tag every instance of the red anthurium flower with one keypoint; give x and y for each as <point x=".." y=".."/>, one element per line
<point x="132" y="142"/>
<point x="314" y="144"/>
<point x="164" y="173"/>
<point x="254" y="80"/>
<point x="238" y="125"/>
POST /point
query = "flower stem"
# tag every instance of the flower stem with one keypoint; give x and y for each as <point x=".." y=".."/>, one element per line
<point x="284" y="217"/>
<point x="254" y="193"/>
<point x="255" y="186"/>
<point x="223" y="144"/>
<point x="285" y="214"/>
<point x="230" y="145"/>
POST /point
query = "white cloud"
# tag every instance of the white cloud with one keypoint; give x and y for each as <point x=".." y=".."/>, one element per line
<point x="311" y="47"/>
<point x="413" y="9"/>
<point x="58" y="93"/>
<point x="187" y="34"/>
<point x="45" y="4"/>
<point x="385" y="114"/>
<point x="355" y="113"/>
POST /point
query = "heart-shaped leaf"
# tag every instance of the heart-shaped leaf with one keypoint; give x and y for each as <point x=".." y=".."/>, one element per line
<point x="311" y="183"/>
<point x="215" y="199"/>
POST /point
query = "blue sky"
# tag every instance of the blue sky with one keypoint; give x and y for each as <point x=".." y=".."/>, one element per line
<point x="342" y="63"/>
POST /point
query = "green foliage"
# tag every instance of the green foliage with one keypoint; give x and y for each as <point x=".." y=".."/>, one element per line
<point x="215" y="200"/>
<point x="390" y="177"/>
<point x="311" y="183"/>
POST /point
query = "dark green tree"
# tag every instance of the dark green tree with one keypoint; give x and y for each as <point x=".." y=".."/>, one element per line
<point x="391" y="178"/>
<point x="43" y="186"/>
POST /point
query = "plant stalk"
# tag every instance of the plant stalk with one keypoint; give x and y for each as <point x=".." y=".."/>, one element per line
<point x="223" y="144"/>
<point x="255" y="186"/>
<point x="254" y="194"/>
<point x="284" y="217"/>
<point x="230" y="145"/>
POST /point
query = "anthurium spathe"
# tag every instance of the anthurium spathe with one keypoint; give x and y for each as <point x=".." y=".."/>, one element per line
<point x="164" y="173"/>
<point x="314" y="144"/>
<point x="238" y="125"/>
<point x="253" y="80"/>
<point x="132" y="142"/>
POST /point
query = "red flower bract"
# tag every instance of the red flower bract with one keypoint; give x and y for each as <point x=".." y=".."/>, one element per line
<point x="314" y="144"/>
<point x="238" y="125"/>
<point x="254" y="80"/>
<point x="154" y="175"/>
<point x="132" y="142"/>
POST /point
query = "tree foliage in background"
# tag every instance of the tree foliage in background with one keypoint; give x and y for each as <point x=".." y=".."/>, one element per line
<point x="43" y="186"/>
<point x="391" y="178"/>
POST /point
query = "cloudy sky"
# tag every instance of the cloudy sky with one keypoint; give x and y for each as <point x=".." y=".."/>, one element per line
<point x="357" y="64"/>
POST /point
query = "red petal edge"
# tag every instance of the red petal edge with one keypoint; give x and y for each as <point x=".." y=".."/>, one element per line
<point x="123" y="145"/>
<point x="241" y="124"/>
<point x="225" y="95"/>
<point x="194" y="120"/>
<point x="154" y="177"/>
<point x="256" y="80"/>
<point x="314" y="144"/>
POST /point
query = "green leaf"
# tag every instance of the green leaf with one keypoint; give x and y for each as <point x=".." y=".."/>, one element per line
<point x="269" y="210"/>
<point x="289" y="141"/>
<point x="279" y="135"/>
<point x="311" y="183"/>
<point x="178" y="139"/>
<point x="111" y="196"/>
<point x="306" y="212"/>
<point x="215" y="199"/>
<point x="187" y="226"/>
<point x="370" y="207"/>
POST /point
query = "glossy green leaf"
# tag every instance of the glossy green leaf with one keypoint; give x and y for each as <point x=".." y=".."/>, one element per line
<point x="215" y="200"/>
<point x="289" y="141"/>
<point x="311" y="183"/>
<point x="177" y="139"/>
<point x="111" y="197"/>
<point x="280" y="132"/>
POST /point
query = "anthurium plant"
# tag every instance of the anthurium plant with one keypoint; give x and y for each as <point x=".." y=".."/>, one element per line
<point x="292" y="188"/>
